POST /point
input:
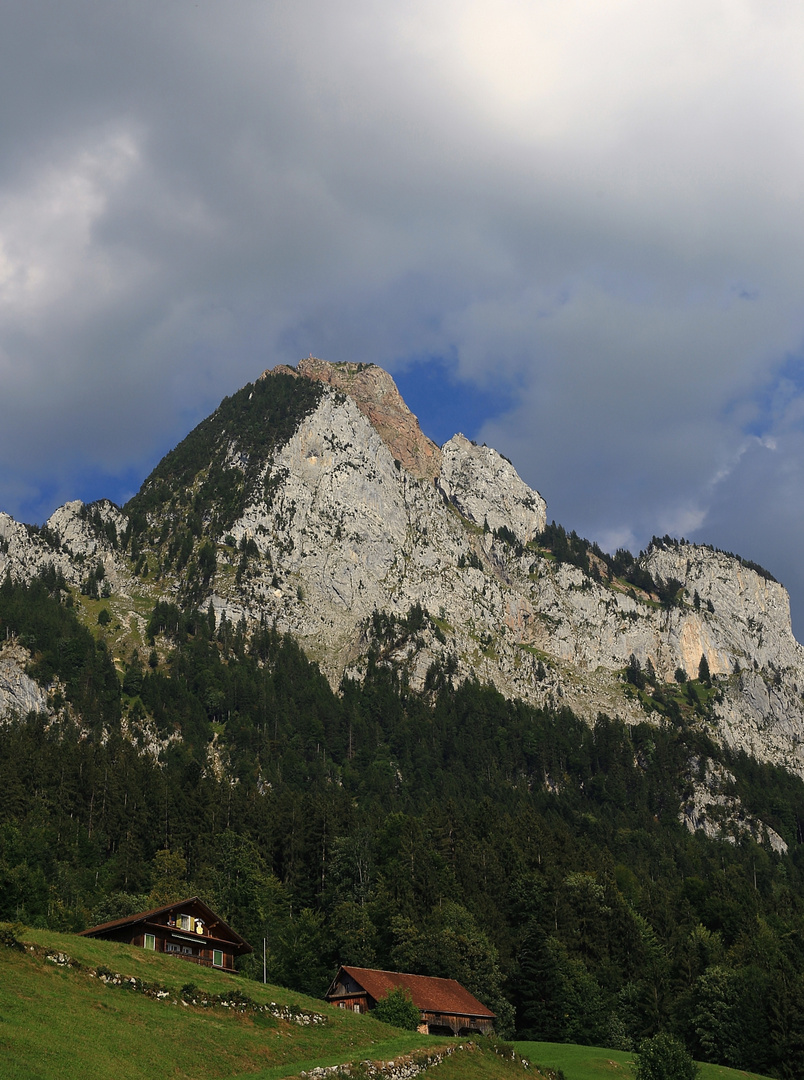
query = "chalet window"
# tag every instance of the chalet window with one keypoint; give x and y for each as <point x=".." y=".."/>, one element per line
<point x="149" y="941"/>
<point x="356" y="1007"/>
<point x="185" y="922"/>
<point x="170" y="947"/>
<point x="217" y="957"/>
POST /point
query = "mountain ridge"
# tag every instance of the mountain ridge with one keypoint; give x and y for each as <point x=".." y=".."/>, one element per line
<point x="311" y="499"/>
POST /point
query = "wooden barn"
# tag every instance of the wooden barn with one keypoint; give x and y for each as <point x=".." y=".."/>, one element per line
<point x="445" y="1007"/>
<point x="187" y="929"/>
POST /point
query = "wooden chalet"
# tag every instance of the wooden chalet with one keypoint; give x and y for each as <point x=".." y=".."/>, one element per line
<point x="445" y="1007"/>
<point x="187" y="929"/>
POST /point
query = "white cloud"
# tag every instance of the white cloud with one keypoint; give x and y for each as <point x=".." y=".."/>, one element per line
<point x="596" y="203"/>
<point x="47" y="251"/>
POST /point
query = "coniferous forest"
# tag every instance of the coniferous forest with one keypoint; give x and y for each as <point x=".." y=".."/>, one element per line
<point x="451" y="832"/>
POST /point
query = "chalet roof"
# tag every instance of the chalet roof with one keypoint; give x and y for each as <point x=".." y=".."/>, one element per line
<point x="428" y="993"/>
<point x="193" y="904"/>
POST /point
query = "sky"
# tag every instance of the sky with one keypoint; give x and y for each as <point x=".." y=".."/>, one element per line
<point x="571" y="230"/>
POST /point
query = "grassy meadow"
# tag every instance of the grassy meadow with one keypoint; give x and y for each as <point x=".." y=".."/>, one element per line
<point x="596" y="1063"/>
<point x="60" y="1022"/>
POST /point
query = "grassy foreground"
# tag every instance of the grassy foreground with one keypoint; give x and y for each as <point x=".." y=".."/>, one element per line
<point x="60" y="1021"/>
<point x="595" y="1063"/>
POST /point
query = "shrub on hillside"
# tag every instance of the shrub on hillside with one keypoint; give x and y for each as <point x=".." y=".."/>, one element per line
<point x="397" y="1008"/>
<point x="664" y="1058"/>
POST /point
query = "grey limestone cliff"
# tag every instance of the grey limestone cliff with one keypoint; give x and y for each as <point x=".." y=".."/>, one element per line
<point x="19" y="694"/>
<point x="357" y="512"/>
<point x="486" y="488"/>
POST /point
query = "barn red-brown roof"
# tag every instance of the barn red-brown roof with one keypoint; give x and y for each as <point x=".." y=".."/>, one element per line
<point x="428" y="993"/>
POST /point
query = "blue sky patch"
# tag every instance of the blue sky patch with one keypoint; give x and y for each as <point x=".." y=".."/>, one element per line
<point x="446" y="404"/>
<point x="773" y="399"/>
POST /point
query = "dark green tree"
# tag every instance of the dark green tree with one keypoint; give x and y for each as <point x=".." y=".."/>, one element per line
<point x="354" y="933"/>
<point x="169" y="878"/>
<point x="451" y="945"/>
<point x="634" y="673"/>
<point x="717" y="1016"/>
<point x="298" y="953"/>
<point x="132" y="680"/>
<point x="704" y="675"/>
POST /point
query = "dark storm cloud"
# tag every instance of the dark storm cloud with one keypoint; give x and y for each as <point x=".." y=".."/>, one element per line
<point x="598" y="205"/>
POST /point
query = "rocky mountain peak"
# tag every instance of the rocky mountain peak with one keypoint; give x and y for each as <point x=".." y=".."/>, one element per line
<point x="376" y="395"/>
<point x="315" y="503"/>
<point x="486" y="488"/>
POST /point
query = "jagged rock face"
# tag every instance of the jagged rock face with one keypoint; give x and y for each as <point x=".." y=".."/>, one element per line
<point x="348" y="530"/>
<point x="712" y="808"/>
<point x="743" y="617"/>
<point x="343" y="519"/>
<point x="86" y="542"/>
<point x="24" y="554"/>
<point x="761" y="714"/>
<point x="19" y="694"/>
<point x="743" y="629"/>
<point x="69" y="543"/>
<point x="377" y="397"/>
<point x="486" y="488"/>
<point x="593" y="625"/>
<point x="70" y="524"/>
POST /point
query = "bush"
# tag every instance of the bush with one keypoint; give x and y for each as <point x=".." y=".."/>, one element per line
<point x="664" y="1058"/>
<point x="397" y="1008"/>
<point x="8" y="938"/>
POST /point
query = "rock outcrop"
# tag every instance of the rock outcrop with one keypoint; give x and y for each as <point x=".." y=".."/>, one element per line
<point x="81" y="535"/>
<point x="739" y="616"/>
<point x="69" y="542"/>
<point x="486" y="488"/>
<point x="377" y="397"/>
<point x="713" y="809"/>
<point x="19" y="694"/>
<point x="24" y="553"/>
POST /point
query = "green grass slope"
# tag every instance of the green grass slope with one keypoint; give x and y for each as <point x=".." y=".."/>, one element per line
<point x="59" y="1020"/>
<point x="596" y="1063"/>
